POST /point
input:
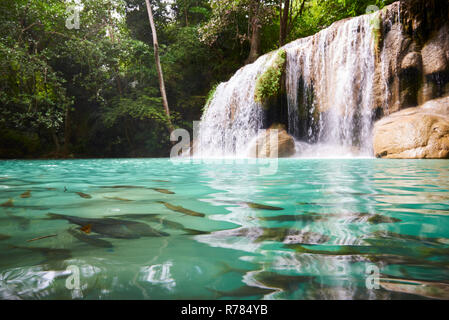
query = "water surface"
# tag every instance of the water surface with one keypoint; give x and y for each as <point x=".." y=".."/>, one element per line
<point x="329" y="224"/>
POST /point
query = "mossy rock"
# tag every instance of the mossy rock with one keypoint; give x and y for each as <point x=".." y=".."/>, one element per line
<point x="269" y="83"/>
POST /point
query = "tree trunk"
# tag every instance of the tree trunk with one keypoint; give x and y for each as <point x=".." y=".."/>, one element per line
<point x="254" y="52"/>
<point x="158" y="65"/>
<point x="67" y="130"/>
<point x="284" y="15"/>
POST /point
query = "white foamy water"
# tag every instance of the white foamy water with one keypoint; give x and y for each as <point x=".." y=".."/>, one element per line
<point x="329" y="84"/>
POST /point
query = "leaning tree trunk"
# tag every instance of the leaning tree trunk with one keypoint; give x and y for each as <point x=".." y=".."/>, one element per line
<point x="284" y="13"/>
<point x="158" y="64"/>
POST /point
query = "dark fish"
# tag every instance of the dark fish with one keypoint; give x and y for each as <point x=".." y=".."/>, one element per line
<point x="160" y="180"/>
<point x="84" y="195"/>
<point x="26" y="194"/>
<point x="275" y="234"/>
<point x="42" y="237"/>
<point x="117" y="198"/>
<point x="299" y="218"/>
<point x="377" y="218"/>
<point x="162" y="190"/>
<point x="428" y="289"/>
<point x="378" y="247"/>
<point x="226" y="268"/>
<point x="114" y="228"/>
<point x="4" y="237"/>
<point x="259" y="206"/>
<point x="23" y="222"/>
<point x="91" y="240"/>
<point x="244" y="291"/>
<point x="136" y="216"/>
<point x="181" y="209"/>
<point x="122" y="187"/>
<point x="252" y="205"/>
<point x="410" y="238"/>
<point x="163" y="222"/>
<point x="8" y="204"/>
<point x="291" y="236"/>
<point x="287" y="283"/>
<point x="49" y="253"/>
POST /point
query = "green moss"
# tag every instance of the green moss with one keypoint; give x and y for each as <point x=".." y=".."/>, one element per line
<point x="210" y="96"/>
<point x="269" y="83"/>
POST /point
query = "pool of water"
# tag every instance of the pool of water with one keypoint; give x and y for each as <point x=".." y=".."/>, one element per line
<point x="157" y="229"/>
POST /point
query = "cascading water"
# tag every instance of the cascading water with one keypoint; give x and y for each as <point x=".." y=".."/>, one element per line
<point x="329" y="85"/>
<point x="232" y="118"/>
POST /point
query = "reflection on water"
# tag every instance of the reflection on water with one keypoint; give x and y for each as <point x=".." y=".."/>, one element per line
<point x="153" y="229"/>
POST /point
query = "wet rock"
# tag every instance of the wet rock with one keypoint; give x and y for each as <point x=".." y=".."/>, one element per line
<point x="273" y="143"/>
<point x="414" y="133"/>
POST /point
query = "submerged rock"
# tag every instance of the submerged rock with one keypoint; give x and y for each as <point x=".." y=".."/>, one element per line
<point x="415" y="133"/>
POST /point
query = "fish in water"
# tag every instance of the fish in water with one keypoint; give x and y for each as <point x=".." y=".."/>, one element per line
<point x="117" y="198"/>
<point x="377" y="218"/>
<point x="86" y="228"/>
<point x="122" y="187"/>
<point x="377" y="247"/>
<point x="164" y="222"/>
<point x="91" y="240"/>
<point x="26" y="194"/>
<point x="410" y="238"/>
<point x="162" y="190"/>
<point x="8" y="204"/>
<point x="243" y="291"/>
<point x="113" y="228"/>
<point x="287" y="283"/>
<point x="160" y="180"/>
<point x="296" y="217"/>
<point x="428" y="289"/>
<point x="4" y="237"/>
<point x="84" y="195"/>
<point x="23" y="222"/>
<point x="363" y="217"/>
<point x="50" y="254"/>
<point x="259" y="206"/>
<point x="136" y="216"/>
<point x="285" y="235"/>
<point x="181" y="209"/>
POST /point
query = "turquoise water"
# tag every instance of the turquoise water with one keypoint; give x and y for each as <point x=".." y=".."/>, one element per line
<point x="334" y="229"/>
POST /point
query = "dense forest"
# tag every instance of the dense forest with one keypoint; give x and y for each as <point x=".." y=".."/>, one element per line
<point x="79" y="78"/>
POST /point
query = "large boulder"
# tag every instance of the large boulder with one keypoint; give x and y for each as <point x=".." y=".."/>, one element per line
<point x="414" y="133"/>
<point x="274" y="142"/>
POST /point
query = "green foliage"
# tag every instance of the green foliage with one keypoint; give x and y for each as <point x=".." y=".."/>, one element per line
<point x="94" y="91"/>
<point x="210" y="96"/>
<point x="268" y="84"/>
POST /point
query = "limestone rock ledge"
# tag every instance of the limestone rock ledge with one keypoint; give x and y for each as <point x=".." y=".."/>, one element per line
<point x="414" y="133"/>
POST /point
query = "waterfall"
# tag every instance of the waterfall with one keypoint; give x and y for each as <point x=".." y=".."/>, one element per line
<point x="329" y="85"/>
<point x="232" y="118"/>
